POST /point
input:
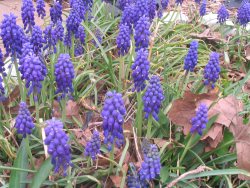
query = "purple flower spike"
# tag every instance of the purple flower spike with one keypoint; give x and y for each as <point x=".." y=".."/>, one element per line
<point x="223" y="14"/>
<point x="142" y="33"/>
<point x="2" y="91"/>
<point x="153" y="98"/>
<point x="37" y="39"/>
<point x="80" y="34"/>
<point x="40" y="8"/>
<point x="140" y="69"/>
<point x="56" y="12"/>
<point x="113" y="113"/>
<point x="128" y="16"/>
<point x="24" y="123"/>
<point x="179" y="2"/>
<point x="243" y="14"/>
<point x="151" y="166"/>
<point x="203" y="8"/>
<point x="2" y="69"/>
<point x="50" y="37"/>
<point x="141" y="9"/>
<point x="164" y="4"/>
<point x="123" y="40"/>
<point x="28" y="14"/>
<point x="212" y="70"/>
<point x="58" y="147"/>
<point x="64" y="73"/>
<point x="93" y="146"/>
<point x="200" y="120"/>
<point x="191" y="58"/>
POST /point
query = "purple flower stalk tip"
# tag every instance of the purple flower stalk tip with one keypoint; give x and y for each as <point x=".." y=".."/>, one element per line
<point x="37" y="40"/>
<point x="223" y="14"/>
<point x="153" y="98"/>
<point x="40" y="8"/>
<point x="93" y="146"/>
<point x="50" y="38"/>
<point x="151" y="166"/>
<point x="141" y="9"/>
<point x="56" y="12"/>
<point x="164" y="4"/>
<point x="243" y="14"/>
<point x="80" y="34"/>
<point x="113" y="113"/>
<point x="58" y="147"/>
<point x="140" y="69"/>
<point x="27" y="12"/>
<point x="203" y="8"/>
<point x="200" y="120"/>
<point x="2" y="90"/>
<point x="212" y="70"/>
<point x="24" y="123"/>
<point x="123" y="40"/>
<point x="179" y="2"/>
<point x="64" y="73"/>
<point x="128" y="16"/>
<point x="142" y="33"/>
<point x="2" y="69"/>
<point x="191" y="58"/>
<point x="152" y="9"/>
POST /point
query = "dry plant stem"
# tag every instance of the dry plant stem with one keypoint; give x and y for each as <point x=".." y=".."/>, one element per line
<point x="19" y="79"/>
<point x="136" y="146"/>
<point x="183" y="81"/>
<point x="153" y="40"/>
<point x="196" y="171"/>
<point x="4" y="111"/>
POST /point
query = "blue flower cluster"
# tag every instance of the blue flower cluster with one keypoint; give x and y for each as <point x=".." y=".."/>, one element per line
<point x="140" y="69"/>
<point x="133" y="179"/>
<point x="113" y="117"/>
<point x="2" y="91"/>
<point x="40" y="8"/>
<point x="164" y="4"/>
<point x="128" y="16"/>
<point x="153" y="98"/>
<point x="203" y="8"/>
<point x="152" y="9"/>
<point x="50" y="37"/>
<point x="151" y="166"/>
<point x="80" y="34"/>
<point x="64" y="73"/>
<point x="142" y="33"/>
<point x="28" y="14"/>
<point x="37" y="39"/>
<point x="12" y="35"/>
<point x="141" y="9"/>
<point x="191" y="58"/>
<point x="26" y="50"/>
<point x="123" y="3"/>
<point x="200" y="120"/>
<point x="179" y="2"/>
<point x="59" y="31"/>
<point x="212" y="69"/>
<point x="123" y="40"/>
<point x="93" y="146"/>
<point x="243" y="14"/>
<point x="79" y="50"/>
<point x="2" y="69"/>
<point x="58" y="147"/>
<point x="223" y="14"/>
<point x="81" y="7"/>
<point x="34" y="72"/>
<point x="56" y="12"/>
<point x="24" y="123"/>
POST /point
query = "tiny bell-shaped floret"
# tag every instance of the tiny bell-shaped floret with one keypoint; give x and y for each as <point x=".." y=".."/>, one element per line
<point x="93" y="146"/>
<point x="191" y="58"/>
<point x="223" y="14"/>
<point x="40" y="8"/>
<point x="123" y="39"/>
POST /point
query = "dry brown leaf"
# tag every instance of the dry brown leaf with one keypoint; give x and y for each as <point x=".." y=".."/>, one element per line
<point x="183" y="110"/>
<point x="209" y="35"/>
<point x="12" y="97"/>
<point x="116" y="180"/>
<point x="247" y="52"/>
<point x="88" y="104"/>
<point x="160" y="142"/>
<point x="213" y="137"/>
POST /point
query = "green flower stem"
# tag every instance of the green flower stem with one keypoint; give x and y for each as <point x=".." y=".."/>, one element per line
<point x="37" y="111"/>
<point x="150" y="120"/>
<point x="63" y="103"/>
<point x="27" y="145"/>
<point x="52" y="88"/>
<point x="112" y="158"/>
<point x="121" y="75"/>
<point x="183" y="84"/>
<point x="139" y="114"/>
<point x="23" y="97"/>
<point x="187" y="147"/>
<point x="4" y="111"/>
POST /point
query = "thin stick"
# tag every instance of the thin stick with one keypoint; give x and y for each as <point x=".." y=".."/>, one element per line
<point x="196" y="171"/>
<point x="153" y="40"/>
<point x="136" y="146"/>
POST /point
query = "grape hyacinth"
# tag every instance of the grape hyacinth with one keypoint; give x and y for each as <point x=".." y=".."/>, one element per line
<point x="28" y="14"/>
<point x="80" y="34"/>
<point x="200" y="120"/>
<point x="12" y="35"/>
<point x="34" y="72"/>
<point x="37" y="39"/>
<point x="128" y="16"/>
<point x="151" y="166"/>
<point x="191" y="58"/>
<point x="212" y="70"/>
<point x="197" y="1"/>
<point x="223" y="14"/>
<point x="140" y="69"/>
<point x="40" y="8"/>
<point x="24" y="123"/>
<point x="80" y="7"/>
<point x="141" y="9"/>
<point x="142" y="33"/>
<point x="243" y="14"/>
<point x="58" y="147"/>
<point x="59" y="31"/>
<point x="56" y="12"/>
<point x="2" y="69"/>
<point x="152" y="8"/>
<point x="93" y="146"/>
<point x="113" y="117"/>
<point x="64" y="73"/>
<point x="79" y="50"/>
<point x="123" y="40"/>
<point x="26" y="50"/>
<point x="133" y="179"/>
<point x="164" y="4"/>
<point x="2" y="91"/>
<point x="203" y="8"/>
<point x="179" y="2"/>
<point x="99" y="37"/>
<point x="50" y="37"/>
<point x="123" y="3"/>
<point x="153" y="98"/>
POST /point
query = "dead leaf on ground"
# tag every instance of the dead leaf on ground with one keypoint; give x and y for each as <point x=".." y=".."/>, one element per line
<point x="88" y="104"/>
<point x="246" y="87"/>
<point x="15" y="93"/>
<point x="209" y="35"/>
<point x="247" y="52"/>
<point x="213" y="137"/>
<point x="160" y="142"/>
<point x="183" y="109"/>
<point x="116" y="180"/>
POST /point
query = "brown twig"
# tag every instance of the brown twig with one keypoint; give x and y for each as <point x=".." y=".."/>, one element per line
<point x="195" y="171"/>
<point x="153" y="40"/>
<point x="136" y="146"/>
